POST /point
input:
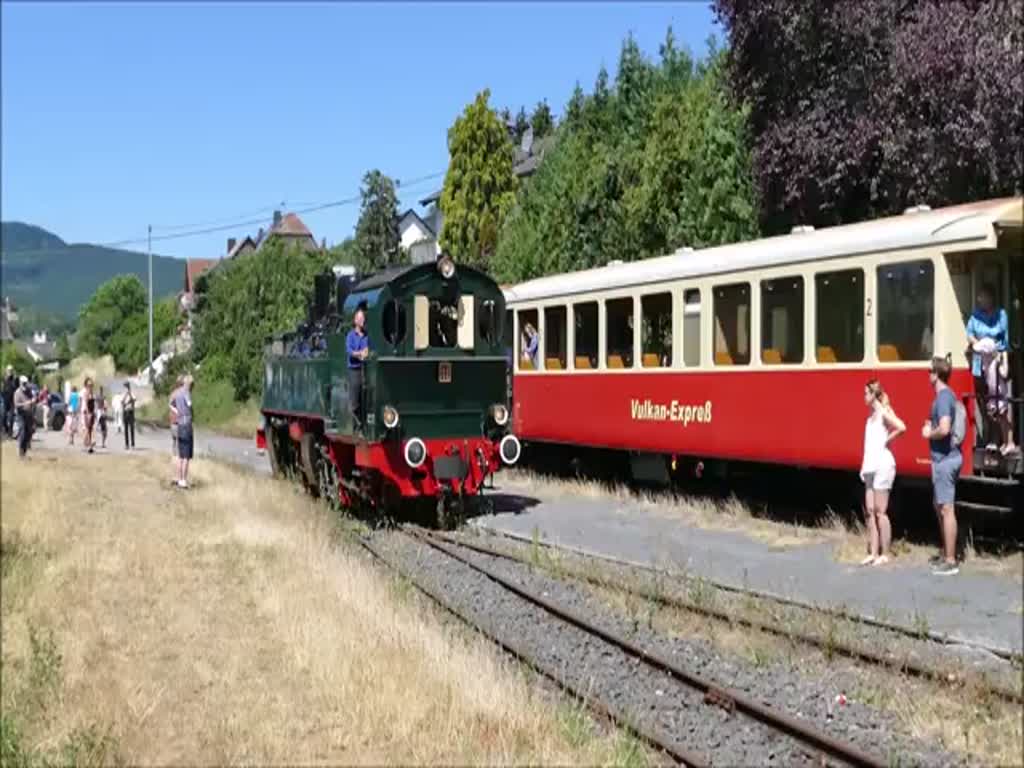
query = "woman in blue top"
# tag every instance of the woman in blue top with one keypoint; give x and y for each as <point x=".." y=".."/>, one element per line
<point x="358" y="346"/>
<point x="988" y="335"/>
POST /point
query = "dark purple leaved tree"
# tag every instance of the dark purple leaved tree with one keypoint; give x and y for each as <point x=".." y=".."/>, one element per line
<point x="862" y="107"/>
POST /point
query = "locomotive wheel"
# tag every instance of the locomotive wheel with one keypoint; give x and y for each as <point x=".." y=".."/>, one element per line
<point x="329" y="481"/>
<point x="272" y="452"/>
<point x="309" y="455"/>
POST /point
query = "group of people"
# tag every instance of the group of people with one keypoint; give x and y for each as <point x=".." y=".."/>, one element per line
<point x="88" y="414"/>
<point x="988" y="340"/>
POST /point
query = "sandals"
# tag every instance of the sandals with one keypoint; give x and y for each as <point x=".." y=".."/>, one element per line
<point x="1011" y="451"/>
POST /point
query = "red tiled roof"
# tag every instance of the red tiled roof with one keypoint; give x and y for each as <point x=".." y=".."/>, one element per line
<point x="194" y="268"/>
<point x="292" y="225"/>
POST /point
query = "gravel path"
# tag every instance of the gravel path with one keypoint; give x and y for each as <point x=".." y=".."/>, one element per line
<point x="632" y="689"/>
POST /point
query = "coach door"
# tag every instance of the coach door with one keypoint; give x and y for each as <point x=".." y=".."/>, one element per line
<point x="1015" y="314"/>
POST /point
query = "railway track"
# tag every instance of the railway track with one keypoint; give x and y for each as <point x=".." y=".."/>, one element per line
<point x="669" y="706"/>
<point x="829" y="645"/>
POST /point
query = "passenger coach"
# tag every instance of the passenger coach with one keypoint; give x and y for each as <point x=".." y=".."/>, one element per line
<point x="759" y="351"/>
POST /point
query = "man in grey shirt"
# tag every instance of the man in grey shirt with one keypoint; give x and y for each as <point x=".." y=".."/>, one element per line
<point x="181" y="407"/>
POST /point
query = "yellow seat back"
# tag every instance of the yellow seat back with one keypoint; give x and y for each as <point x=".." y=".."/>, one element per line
<point x="888" y="353"/>
<point x="723" y="358"/>
<point x="582" y="362"/>
<point x="615" y="361"/>
<point x="771" y="356"/>
<point x="553" y="364"/>
<point x="651" y="360"/>
<point x="526" y="365"/>
<point x="827" y="355"/>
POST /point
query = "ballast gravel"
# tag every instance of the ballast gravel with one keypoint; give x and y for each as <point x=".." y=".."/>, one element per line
<point x="638" y="693"/>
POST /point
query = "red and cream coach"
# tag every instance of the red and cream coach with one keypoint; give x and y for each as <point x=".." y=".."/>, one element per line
<point x="759" y="351"/>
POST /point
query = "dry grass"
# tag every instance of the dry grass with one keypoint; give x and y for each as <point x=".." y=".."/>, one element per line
<point x="231" y="624"/>
<point x="848" y="541"/>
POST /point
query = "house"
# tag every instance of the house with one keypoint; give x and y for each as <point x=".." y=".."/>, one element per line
<point x="239" y="247"/>
<point x="525" y="161"/>
<point x="418" y="237"/>
<point x="42" y="350"/>
<point x="193" y="269"/>
<point x="289" y="228"/>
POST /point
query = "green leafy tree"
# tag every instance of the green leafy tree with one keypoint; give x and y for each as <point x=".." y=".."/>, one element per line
<point x="541" y="121"/>
<point x="63" y="350"/>
<point x="522" y="123"/>
<point x="246" y="300"/>
<point x="21" y="362"/>
<point x="100" y="318"/>
<point x="660" y="160"/>
<point x="377" y="236"/>
<point x="479" y="187"/>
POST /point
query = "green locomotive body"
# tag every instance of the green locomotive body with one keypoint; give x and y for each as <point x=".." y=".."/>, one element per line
<point x="434" y="398"/>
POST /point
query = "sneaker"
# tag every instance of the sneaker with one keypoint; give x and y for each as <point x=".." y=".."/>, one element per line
<point x="182" y="484"/>
<point x="881" y="560"/>
<point x="934" y="560"/>
<point x="946" y="569"/>
<point x="868" y="560"/>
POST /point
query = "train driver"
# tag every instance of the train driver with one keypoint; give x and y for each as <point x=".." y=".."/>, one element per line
<point x="358" y="345"/>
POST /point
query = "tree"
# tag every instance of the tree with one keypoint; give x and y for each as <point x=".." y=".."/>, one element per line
<point x="574" y="109"/>
<point x="861" y="109"/>
<point x="377" y="237"/>
<point x="660" y="161"/>
<point x="63" y="350"/>
<point x="248" y="299"/>
<point x="479" y="187"/>
<point x="100" y="318"/>
<point x="14" y="357"/>
<point x="541" y="120"/>
<point x="522" y="123"/>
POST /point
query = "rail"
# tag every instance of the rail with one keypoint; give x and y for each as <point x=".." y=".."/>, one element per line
<point x="713" y="693"/>
<point x="906" y="666"/>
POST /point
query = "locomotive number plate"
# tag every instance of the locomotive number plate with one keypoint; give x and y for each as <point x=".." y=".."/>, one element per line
<point x="444" y="373"/>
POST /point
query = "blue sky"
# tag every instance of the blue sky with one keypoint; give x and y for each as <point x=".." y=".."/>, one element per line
<point x="120" y="115"/>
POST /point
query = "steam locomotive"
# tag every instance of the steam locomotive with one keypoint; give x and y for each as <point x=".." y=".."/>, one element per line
<point x="434" y="413"/>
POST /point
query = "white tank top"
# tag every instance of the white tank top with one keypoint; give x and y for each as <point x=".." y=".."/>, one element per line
<point x="877" y="455"/>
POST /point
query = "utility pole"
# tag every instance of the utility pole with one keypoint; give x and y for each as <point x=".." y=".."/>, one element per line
<point x="149" y="253"/>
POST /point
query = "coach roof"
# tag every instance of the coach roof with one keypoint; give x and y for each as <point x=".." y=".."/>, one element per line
<point x="920" y="228"/>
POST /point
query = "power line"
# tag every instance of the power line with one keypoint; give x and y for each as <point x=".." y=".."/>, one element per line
<point x="201" y="229"/>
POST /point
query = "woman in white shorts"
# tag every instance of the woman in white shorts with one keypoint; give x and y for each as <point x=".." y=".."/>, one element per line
<point x="878" y="470"/>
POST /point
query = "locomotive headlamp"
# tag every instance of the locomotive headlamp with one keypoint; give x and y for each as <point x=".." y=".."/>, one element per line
<point x="415" y="452"/>
<point x="500" y="414"/>
<point x="389" y="416"/>
<point x="446" y="267"/>
<point x="509" y="449"/>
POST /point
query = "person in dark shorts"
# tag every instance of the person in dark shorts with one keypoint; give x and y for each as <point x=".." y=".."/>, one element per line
<point x="358" y="345"/>
<point x="181" y="408"/>
<point x="89" y="409"/>
<point x="946" y="462"/>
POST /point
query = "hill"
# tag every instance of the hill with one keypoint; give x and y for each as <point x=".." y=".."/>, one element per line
<point x="42" y="271"/>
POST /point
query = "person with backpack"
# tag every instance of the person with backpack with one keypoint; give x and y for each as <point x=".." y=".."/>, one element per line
<point x="945" y="432"/>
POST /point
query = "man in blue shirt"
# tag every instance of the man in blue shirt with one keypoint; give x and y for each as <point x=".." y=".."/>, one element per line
<point x="946" y="462"/>
<point x="988" y="338"/>
<point x="358" y="346"/>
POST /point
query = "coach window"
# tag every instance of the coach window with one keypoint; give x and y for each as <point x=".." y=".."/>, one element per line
<point x="554" y="338"/>
<point x="782" y="321"/>
<point x="619" y="332"/>
<point x="839" y="304"/>
<point x="691" y="328"/>
<point x="529" y="340"/>
<point x="732" y="324"/>
<point x="906" y="304"/>
<point x="585" y="336"/>
<point x="656" y="330"/>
